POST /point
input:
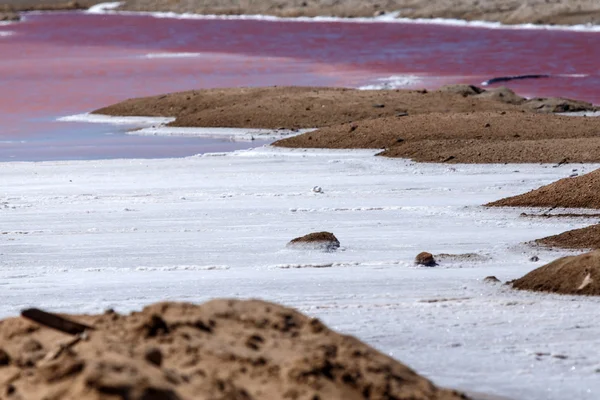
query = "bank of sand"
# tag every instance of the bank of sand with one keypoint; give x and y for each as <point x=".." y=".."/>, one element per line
<point x="576" y="192"/>
<point x="223" y="349"/>
<point x="505" y="11"/>
<point x="456" y="124"/>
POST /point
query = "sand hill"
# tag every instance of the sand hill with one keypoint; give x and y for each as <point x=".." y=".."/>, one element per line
<point x="223" y="349"/>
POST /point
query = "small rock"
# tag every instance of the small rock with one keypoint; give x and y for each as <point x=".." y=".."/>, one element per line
<point x="378" y="105"/>
<point x="426" y="259"/>
<point x="534" y="259"/>
<point x="317" y="189"/>
<point x="487" y="125"/>
<point x="491" y="279"/>
<point x="4" y="358"/>
<point x="316" y="241"/>
<point x="154" y="356"/>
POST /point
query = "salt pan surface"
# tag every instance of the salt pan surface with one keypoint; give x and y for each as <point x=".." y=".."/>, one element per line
<point x="82" y="236"/>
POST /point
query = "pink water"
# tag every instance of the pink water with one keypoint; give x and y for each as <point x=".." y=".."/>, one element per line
<point x="66" y="63"/>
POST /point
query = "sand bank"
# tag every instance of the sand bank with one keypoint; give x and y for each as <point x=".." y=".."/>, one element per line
<point x="456" y="124"/>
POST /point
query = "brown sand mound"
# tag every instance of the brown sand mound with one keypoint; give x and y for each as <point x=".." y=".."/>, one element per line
<point x="223" y="349"/>
<point x="578" y="192"/>
<point x="316" y="240"/>
<point x="584" y="238"/>
<point x="477" y="137"/>
<point x="293" y="107"/>
<point x="567" y="275"/>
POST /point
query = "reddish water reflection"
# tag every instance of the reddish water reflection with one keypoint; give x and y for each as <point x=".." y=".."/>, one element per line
<point x="59" y="64"/>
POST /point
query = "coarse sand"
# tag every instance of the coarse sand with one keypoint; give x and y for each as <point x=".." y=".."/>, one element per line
<point x="579" y="275"/>
<point x="222" y="349"/>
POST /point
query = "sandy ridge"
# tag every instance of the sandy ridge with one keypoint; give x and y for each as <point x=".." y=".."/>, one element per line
<point x="458" y="123"/>
<point x="222" y="349"/>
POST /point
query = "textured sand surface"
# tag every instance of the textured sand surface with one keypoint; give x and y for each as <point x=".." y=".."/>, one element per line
<point x="567" y="275"/>
<point x="222" y="349"/>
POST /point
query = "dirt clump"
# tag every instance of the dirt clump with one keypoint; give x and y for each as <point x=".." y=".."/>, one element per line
<point x="222" y="349"/>
<point x="567" y="275"/>
<point x="577" y="192"/>
<point x="426" y="259"/>
<point x="14" y="6"/>
<point x="316" y="241"/>
<point x="587" y="238"/>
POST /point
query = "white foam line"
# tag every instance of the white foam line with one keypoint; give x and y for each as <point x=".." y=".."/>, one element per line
<point x="392" y="17"/>
<point x="173" y="55"/>
<point x="234" y="134"/>
<point x="103" y="7"/>
<point x="393" y="82"/>
<point x="108" y="119"/>
<point x="6" y="33"/>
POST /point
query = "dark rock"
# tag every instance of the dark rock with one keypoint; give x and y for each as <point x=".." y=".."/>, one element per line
<point x="426" y="259"/>
<point x="491" y="279"/>
<point x="154" y="356"/>
<point x="316" y="241"/>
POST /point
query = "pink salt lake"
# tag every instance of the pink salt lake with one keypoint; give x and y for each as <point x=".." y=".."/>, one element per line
<point x="57" y="64"/>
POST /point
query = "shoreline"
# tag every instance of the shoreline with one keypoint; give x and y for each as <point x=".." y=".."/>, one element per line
<point x="572" y="21"/>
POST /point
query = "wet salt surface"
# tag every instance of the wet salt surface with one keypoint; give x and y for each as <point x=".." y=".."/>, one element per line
<point x="82" y="236"/>
<point x="68" y="63"/>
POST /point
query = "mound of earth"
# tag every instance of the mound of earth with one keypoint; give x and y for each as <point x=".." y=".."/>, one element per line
<point x="223" y="349"/>
<point x="585" y="238"/>
<point x="578" y="192"/>
<point x="568" y="275"/>
<point x="317" y="241"/>
<point x="301" y="107"/>
<point x="474" y="137"/>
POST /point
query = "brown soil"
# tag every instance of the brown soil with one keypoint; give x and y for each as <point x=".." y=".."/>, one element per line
<point x="476" y="137"/>
<point x="9" y="16"/>
<point x="293" y="107"/>
<point x="11" y="6"/>
<point x="462" y="123"/>
<point x="587" y="238"/>
<point x="223" y="349"/>
<point x="567" y="275"/>
<point x="578" y="192"/>
<point x="319" y="240"/>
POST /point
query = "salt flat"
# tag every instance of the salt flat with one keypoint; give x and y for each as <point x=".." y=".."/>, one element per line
<point x="82" y="236"/>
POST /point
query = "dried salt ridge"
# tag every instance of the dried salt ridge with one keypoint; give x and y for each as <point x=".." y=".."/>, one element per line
<point x="568" y="275"/>
<point x="225" y="349"/>
<point x="323" y="241"/>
